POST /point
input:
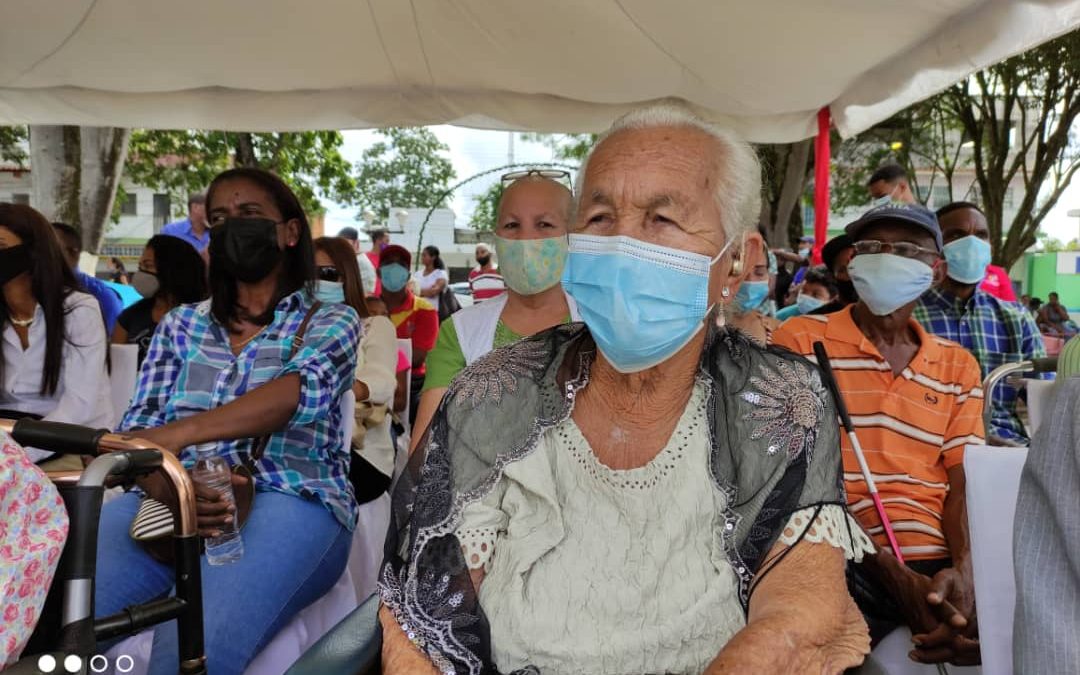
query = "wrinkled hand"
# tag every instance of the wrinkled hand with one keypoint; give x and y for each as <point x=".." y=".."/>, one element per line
<point x="956" y="641"/>
<point x="399" y="655"/>
<point x="770" y="646"/>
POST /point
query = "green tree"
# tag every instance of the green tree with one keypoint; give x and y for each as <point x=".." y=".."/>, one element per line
<point x="486" y="207"/>
<point x="566" y="147"/>
<point x="12" y="140"/>
<point x="407" y="169"/>
<point x="1011" y="125"/>
<point x="182" y="162"/>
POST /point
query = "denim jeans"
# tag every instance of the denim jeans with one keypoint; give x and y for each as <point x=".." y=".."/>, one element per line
<point x="294" y="552"/>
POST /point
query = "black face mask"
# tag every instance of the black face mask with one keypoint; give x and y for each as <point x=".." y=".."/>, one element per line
<point x="847" y="291"/>
<point x="484" y="260"/>
<point x="246" y="247"/>
<point x="13" y="262"/>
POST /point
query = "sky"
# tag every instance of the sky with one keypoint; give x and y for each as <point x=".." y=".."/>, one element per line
<point x="476" y="150"/>
<point x="471" y="150"/>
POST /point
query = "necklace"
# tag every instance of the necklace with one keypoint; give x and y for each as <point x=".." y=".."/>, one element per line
<point x="244" y="343"/>
<point x="21" y="323"/>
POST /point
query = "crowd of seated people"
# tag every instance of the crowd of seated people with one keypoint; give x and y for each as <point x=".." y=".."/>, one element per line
<point x="632" y="425"/>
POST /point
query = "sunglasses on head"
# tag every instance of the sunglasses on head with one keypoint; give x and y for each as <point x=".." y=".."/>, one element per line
<point x="329" y="273"/>
<point x="550" y="174"/>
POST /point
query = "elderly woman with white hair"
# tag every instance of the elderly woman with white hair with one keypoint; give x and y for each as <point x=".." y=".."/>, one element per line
<point x="643" y="493"/>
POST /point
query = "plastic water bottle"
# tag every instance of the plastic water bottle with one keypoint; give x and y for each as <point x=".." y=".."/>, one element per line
<point x="213" y="472"/>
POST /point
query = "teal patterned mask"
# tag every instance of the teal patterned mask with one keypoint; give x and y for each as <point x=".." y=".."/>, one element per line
<point x="531" y="266"/>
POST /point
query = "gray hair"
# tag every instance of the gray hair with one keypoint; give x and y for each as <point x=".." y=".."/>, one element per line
<point x="738" y="187"/>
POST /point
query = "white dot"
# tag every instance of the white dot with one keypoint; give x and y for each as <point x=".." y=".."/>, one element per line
<point x="72" y="663"/>
<point x="46" y="664"/>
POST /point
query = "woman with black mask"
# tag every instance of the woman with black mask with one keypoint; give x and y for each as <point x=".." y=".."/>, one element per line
<point x="261" y="360"/>
<point x="171" y="273"/>
<point x="52" y="337"/>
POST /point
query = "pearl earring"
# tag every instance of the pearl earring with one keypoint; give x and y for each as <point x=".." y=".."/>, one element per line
<point x="726" y="292"/>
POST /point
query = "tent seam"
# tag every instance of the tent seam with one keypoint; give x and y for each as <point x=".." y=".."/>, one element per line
<point x="420" y="40"/>
<point x="55" y="50"/>
<point x="382" y="43"/>
<point x="648" y="36"/>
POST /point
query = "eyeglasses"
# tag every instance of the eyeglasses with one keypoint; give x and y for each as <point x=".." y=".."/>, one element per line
<point x="901" y="248"/>
<point x="550" y="174"/>
<point x="329" y="273"/>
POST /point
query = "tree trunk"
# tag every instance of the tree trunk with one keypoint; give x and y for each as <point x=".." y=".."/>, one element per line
<point x="785" y="181"/>
<point x="55" y="165"/>
<point x="104" y="151"/>
<point x="76" y="171"/>
<point x="245" y="150"/>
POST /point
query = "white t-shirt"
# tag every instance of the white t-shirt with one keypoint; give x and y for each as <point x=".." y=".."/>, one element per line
<point x="82" y="395"/>
<point x="367" y="274"/>
<point x="426" y="281"/>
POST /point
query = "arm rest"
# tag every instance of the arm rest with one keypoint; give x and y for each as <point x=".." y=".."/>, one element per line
<point x="350" y="648"/>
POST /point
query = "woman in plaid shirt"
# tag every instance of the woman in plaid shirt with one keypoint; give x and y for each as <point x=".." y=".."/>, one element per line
<point x="218" y="372"/>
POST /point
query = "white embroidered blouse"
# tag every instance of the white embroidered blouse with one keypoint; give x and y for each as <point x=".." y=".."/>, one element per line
<point x="590" y="569"/>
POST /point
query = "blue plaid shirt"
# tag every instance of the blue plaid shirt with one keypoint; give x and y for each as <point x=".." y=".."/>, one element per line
<point x="996" y="332"/>
<point x="190" y="368"/>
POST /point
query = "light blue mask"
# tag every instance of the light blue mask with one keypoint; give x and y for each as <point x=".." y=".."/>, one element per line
<point x="329" y="291"/>
<point x="750" y="295"/>
<point x="641" y="302"/>
<point x="808" y="303"/>
<point x="394" y="277"/>
<point x="886" y="282"/>
<point x="967" y="258"/>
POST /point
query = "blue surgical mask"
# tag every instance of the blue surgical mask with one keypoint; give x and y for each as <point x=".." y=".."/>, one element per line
<point x="394" y="277"/>
<point x="804" y="252"/>
<point x="886" y="282"/>
<point x="329" y="291"/>
<point x="808" y="303"/>
<point x="967" y="258"/>
<point x="750" y="295"/>
<point x="641" y="302"/>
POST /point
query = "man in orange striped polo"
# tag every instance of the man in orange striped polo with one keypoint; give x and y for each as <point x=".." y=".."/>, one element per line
<point x="915" y="401"/>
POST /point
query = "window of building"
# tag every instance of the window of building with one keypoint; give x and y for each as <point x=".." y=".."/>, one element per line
<point x="129" y="205"/>
<point x="21" y="198"/>
<point x="162" y="207"/>
<point x="939" y="195"/>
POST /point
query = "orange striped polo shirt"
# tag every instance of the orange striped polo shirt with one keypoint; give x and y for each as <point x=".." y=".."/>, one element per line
<point x="912" y="427"/>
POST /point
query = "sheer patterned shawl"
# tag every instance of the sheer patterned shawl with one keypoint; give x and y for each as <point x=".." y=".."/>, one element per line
<point x="775" y="450"/>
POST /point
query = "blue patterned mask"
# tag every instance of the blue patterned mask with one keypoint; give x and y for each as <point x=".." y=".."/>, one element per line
<point x="642" y="302"/>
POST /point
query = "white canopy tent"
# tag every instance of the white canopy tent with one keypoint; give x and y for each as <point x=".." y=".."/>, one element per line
<point x="763" y="67"/>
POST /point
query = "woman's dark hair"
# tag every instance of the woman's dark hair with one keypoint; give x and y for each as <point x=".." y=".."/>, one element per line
<point x="433" y="251"/>
<point x="823" y="277"/>
<point x="344" y="258"/>
<point x="51" y="282"/>
<point x="119" y="263"/>
<point x="298" y="271"/>
<point x="181" y="271"/>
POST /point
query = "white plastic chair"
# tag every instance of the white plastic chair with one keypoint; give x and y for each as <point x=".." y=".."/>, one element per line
<point x="122" y="378"/>
<point x="1038" y="392"/>
<point x="993" y="483"/>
